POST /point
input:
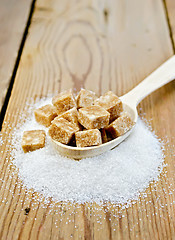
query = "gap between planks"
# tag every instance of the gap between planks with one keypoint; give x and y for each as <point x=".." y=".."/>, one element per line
<point x="8" y="94"/>
<point x="166" y="8"/>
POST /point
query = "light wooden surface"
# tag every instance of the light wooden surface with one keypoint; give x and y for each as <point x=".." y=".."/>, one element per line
<point x="13" y="19"/>
<point x="170" y="8"/>
<point x="99" y="45"/>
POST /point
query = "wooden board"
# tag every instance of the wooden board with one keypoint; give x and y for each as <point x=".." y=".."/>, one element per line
<point x="114" y="44"/>
<point x="170" y="7"/>
<point x="13" y="19"/>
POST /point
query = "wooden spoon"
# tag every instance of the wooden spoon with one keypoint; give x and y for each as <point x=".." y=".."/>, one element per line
<point x="164" y="74"/>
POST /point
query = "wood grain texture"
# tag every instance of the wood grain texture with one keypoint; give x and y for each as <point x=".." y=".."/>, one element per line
<point x="170" y="7"/>
<point x="13" y="19"/>
<point x="98" y="45"/>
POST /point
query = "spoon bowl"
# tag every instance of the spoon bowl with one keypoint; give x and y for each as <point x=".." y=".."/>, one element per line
<point x="84" y="152"/>
<point x="164" y="74"/>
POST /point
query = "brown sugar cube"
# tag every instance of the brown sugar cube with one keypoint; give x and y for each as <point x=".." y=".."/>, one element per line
<point x="44" y="115"/>
<point x="33" y="140"/>
<point x="64" y="101"/>
<point x="71" y="116"/>
<point x="93" y="117"/>
<point x="62" y="130"/>
<point x="111" y="103"/>
<point x="120" y="126"/>
<point x="103" y="135"/>
<point x="85" y="98"/>
<point x="88" y="138"/>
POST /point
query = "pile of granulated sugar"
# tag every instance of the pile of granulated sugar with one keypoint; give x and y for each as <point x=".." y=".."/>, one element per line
<point x="118" y="175"/>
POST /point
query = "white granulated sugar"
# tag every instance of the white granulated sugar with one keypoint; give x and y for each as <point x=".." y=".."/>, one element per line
<point x="118" y="175"/>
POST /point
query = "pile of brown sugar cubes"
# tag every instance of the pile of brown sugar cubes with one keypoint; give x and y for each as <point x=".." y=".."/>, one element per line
<point x="81" y="121"/>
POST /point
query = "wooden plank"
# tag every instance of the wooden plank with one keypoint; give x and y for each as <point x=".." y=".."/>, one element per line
<point x="170" y="7"/>
<point x="117" y="44"/>
<point x="13" y="18"/>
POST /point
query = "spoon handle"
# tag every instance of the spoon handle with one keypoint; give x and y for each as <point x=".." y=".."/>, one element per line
<point x="162" y="75"/>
